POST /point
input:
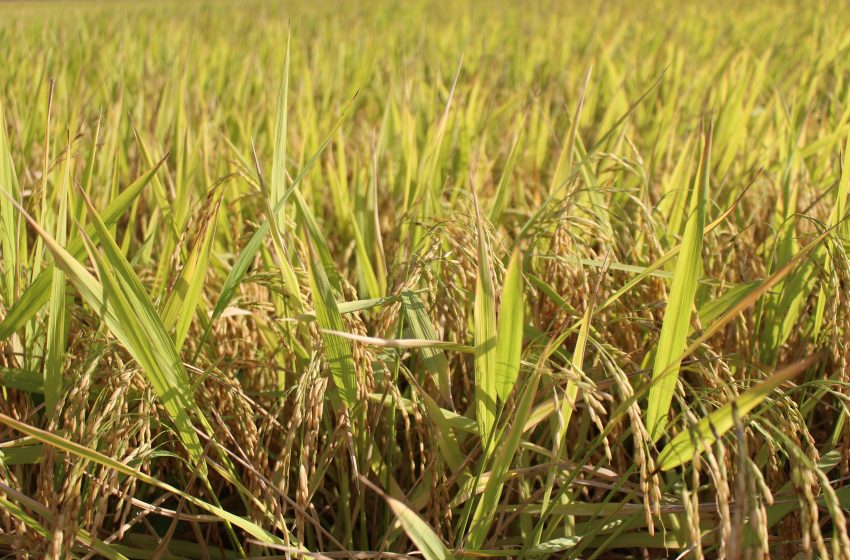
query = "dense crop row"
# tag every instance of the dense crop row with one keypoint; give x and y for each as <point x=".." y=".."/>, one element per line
<point x="358" y="279"/>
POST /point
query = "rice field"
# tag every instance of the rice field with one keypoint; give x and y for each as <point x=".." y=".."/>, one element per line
<point x="424" y="280"/>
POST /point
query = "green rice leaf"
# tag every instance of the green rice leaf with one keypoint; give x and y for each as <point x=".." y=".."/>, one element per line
<point x="504" y="456"/>
<point x="23" y="380"/>
<point x="184" y="297"/>
<point x="693" y="440"/>
<point x="423" y="536"/>
<point x="416" y="317"/>
<point x="128" y="313"/>
<point x="278" y="183"/>
<point x="20" y="455"/>
<point x="484" y="323"/>
<point x="57" y="332"/>
<point x="511" y="322"/>
<point x="249" y="252"/>
<point x="337" y="348"/>
<point x="674" y="329"/>
<point x="37" y="294"/>
<point x="503" y="190"/>
<point x="9" y="222"/>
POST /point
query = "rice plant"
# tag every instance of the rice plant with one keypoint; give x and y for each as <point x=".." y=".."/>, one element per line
<point x="433" y="279"/>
